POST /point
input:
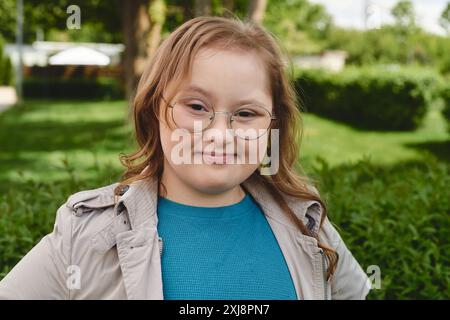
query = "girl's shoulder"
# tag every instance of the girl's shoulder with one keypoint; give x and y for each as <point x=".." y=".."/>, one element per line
<point x="85" y="214"/>
<point x="86" y="201"/>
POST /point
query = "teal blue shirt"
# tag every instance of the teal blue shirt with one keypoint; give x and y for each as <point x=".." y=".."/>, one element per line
<point x="227" y="252"/>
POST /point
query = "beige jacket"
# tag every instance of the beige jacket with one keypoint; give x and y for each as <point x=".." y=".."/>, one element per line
<point x="99" y="250"/>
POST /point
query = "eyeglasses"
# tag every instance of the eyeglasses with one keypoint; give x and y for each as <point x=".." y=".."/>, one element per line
<point x="250" y="121"/>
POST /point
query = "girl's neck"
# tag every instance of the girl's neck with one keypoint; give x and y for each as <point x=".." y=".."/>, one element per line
<point x="179" y="192"/>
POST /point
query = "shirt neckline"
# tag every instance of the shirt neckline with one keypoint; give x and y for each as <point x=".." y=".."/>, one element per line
<point x="237" y="209"/>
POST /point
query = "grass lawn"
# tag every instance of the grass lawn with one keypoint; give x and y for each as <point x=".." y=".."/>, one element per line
<point x="392" y="211"/>
<point x="338" y="143"/>
<point x="42" y="139"/>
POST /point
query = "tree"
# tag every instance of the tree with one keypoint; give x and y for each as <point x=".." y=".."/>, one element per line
<point x="202" y="8"/>
<point x="300" y="25"/>
<point x="256" y="10"/>
<point x="99" y="20"/>
<point x="228" y="5"/>
<point x="403" y="13"/>
<point x="405" y="27"/>
<point x="157" y="12"/>
<point x="444" y="20"/>
<point x="5" y="67"/>
<point x="142" y="22"/>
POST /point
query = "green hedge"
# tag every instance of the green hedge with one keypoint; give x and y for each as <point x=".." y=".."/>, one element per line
<point x="397" y="218"/>
<point x="370" y="98"/>
<point x="75" y="88"/>
<point x="445" y="94"/>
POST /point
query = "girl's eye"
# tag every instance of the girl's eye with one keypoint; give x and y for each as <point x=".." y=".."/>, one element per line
<point x="197" y="107"/>
<point x="245" y="114"/>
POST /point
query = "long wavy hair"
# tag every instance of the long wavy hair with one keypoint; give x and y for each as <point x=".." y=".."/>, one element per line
<point x="172" y="62"/>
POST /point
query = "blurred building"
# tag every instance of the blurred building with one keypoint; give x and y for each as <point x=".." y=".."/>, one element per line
<point x="40" y="53"/>
<point x="332" y="60"/>
<point x="70" y="69"/>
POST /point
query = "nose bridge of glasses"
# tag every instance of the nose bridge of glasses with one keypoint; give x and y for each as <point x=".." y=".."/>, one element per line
<point x="225" y="113"/>
<point x="210" y="134"/>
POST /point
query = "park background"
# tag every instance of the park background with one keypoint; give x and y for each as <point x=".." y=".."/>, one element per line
<point x="375" y="102"/>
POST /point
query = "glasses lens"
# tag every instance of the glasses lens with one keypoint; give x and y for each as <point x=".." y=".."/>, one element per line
<point x="192" y="114"/>
<point x="250" y="121"/>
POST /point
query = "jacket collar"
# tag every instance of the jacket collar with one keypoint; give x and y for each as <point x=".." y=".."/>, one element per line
<point x="141" y="202"/>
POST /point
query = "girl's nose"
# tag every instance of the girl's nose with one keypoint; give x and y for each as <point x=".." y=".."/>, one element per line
<point x="220" y="130"/>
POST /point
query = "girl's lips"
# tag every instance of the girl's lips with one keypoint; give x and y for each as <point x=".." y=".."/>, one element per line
<point x="222" y="158"/>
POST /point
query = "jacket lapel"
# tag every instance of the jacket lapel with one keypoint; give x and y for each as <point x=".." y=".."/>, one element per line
<point x="138" y="251"/>
<point x="138" y="248"/>
<point x="303" y="256"/>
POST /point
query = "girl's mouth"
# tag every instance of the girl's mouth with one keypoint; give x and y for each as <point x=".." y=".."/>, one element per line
<point x="217" y="158"/>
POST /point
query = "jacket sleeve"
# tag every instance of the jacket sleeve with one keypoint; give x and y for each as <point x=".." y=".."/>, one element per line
<point x="349" y="281"/>
<point x="41" y="273"/>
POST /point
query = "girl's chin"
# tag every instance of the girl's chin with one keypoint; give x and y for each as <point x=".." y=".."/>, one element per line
<point x="209" y="179"/>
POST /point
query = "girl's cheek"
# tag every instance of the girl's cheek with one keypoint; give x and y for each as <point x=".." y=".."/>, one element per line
<point x="168" y="141"/>
<point x="251" y="151"/>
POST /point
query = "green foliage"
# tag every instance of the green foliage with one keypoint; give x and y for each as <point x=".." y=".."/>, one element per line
<point x="403" y="13"/>
<point x="28" y="209"/>
<point x="157" y="11"/>
<point x="372" y="98"/>
<point x="403" y="42"/>
<point x="444" y="20"/>
<point x="397" y="218"/>
<point x="73" y="88"/>
<point x="8" y="19"/>
<point x="100" y="20"/>
<point x="445" y="93"/>
<point x="300" y="25"/>
<point x="6" y="68"/>
<point x="387" y="45"/>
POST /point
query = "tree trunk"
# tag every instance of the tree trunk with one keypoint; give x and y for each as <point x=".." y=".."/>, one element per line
<point x="157" y="12"/>
<point x="188" y="12"/>
<point x="202" y="8"/>
<point x="136" y="27"/>
<point x="154" y="38"/>
<point x="228" y="5"/>
<point x="256" y="10"/>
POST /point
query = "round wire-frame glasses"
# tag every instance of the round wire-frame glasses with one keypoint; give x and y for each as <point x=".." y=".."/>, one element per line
<point x="265" y="123"/>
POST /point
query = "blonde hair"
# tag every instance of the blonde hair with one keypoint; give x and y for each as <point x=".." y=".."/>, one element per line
<point x="171" y="63"/>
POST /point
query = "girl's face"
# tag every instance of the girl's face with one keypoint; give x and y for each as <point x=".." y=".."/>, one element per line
<point x="226" y="81"/>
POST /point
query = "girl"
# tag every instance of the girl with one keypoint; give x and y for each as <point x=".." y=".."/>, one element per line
<point x="194" y="217"/>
